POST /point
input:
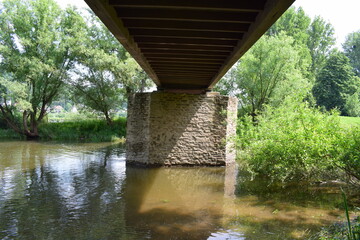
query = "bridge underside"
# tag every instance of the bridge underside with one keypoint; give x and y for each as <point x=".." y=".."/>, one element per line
<point x="185" y="46"/>
<point x="188" y="44"/>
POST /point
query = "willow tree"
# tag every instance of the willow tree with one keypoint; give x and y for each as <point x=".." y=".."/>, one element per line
<point x="105" y="74"/>
<point x="267" y="73"/>
<point x="37" y="45"/>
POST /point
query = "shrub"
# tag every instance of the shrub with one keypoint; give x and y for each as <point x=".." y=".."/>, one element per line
<point x="293" y="141"/>
<point x="349" y="156"/>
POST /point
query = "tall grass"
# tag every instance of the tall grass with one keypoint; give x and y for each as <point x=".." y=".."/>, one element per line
<point x="350" y="235"/>
<point x="349" y="230"/>
<point x="9" y="134"/>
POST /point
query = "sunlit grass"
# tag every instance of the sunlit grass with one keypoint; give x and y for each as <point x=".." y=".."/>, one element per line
<point x="348" y="122"/>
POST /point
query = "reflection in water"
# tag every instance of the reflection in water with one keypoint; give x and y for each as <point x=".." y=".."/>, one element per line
<point x="182" y="202"/>
<point x="84" y="191"/>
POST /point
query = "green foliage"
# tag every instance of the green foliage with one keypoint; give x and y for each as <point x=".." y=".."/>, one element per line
<point x="321" y="39"/>
<point x="335" y="83"/>
<point x="9" y="134"/>
<point x="352" y="105"/>
<point x="44" y="48"/>
<point x="71" y="117"/>
<point x="348" y="158"/>
<point x="105" y="74"/>
<point x="292" y="141"/>
<point x="37" y="41"/>
<point x="267" y="73"/>
<point x="295" y="23"/>
<point x="282" y="62"/>
<point x="314" y="38"/>
<point x="352" y="50"/>
<point x="90" y="130"/>
<point x="295" y="141"/>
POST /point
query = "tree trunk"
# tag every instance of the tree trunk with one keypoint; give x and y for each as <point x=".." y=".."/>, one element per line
<point x="253" y="113"/>
<point x="108" y="119"/>
<point x="33" y="132"/>
<point x="254" y="118"/>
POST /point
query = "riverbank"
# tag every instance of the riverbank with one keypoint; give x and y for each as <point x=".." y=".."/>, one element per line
<point x="84" y="130"/>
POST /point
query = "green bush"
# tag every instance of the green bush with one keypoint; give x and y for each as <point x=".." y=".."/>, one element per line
<point x="295" y="141"/>
<point x="349" y="156"/>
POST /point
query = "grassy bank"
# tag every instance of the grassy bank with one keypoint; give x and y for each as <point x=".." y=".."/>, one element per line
<point x="84" y="130"/>
<point x="6" y="134"/>
<point x="80" y="130"/>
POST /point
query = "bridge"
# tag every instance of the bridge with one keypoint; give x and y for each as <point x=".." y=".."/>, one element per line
<point x="185" y="46"/>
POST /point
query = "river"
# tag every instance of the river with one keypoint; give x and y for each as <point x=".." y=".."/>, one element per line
<point x="86" y="191"/>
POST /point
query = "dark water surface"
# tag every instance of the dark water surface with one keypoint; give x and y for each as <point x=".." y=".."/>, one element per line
<point x="85" y="191"/>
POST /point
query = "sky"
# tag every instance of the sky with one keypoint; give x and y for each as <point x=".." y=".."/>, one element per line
<point x="344" y="15"/>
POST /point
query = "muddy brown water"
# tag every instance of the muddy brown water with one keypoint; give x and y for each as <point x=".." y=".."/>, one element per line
<point x="85" y="191"/>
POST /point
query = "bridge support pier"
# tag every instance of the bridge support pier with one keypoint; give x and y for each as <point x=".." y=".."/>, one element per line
<point x="165" y="129"/>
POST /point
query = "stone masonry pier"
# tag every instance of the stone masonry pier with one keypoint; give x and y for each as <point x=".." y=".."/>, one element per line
<point x="165" y="129"/>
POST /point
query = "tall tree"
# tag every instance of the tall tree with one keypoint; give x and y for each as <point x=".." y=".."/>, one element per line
<point x="37" y="42"/>
<point x="321" y="40"/>
<point x="335" y="83"/>
<point x="352" y="104"/>
<point x="105" y="74"/>
<point x="317" y="35"/>
<point x="352" y="50"/>
<point x="295" y="23"/>
<point x="266" y="74"/>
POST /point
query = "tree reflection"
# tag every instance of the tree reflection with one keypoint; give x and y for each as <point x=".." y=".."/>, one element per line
<point x="50" y="201"/>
